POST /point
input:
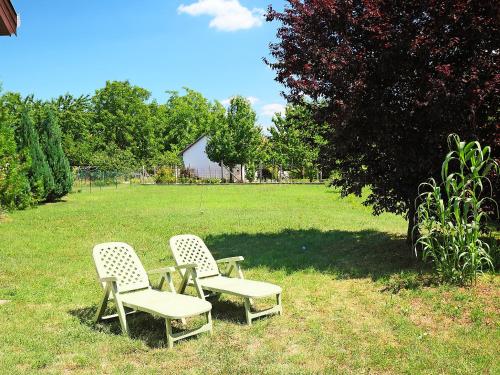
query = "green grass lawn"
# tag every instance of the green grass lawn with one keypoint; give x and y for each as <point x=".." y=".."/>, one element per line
<point x="336" y="262"/>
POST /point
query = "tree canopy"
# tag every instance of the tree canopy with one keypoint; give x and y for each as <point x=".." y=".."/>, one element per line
<point x="295" y="140"/>
<point x="235" y="137"/>
<point x="76" y="120"/>
<point x="394" y="79"/>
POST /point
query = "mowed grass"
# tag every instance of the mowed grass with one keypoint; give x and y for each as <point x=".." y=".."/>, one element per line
<point x="336" y="262"/>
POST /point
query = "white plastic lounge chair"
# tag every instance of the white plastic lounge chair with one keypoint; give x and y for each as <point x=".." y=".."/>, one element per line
<point x="122" y="275"/>
<point x="188" y="249"/>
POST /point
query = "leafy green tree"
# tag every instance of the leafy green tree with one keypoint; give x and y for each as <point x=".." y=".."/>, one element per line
<point x="13" y="105"/>
<point x="38" y="171"/>
<point x="50" y="137"/>
<point x="296" y="139"/>
<point x="188" y="117"/>
<point x="159" y="123"/>
<point x="235" y="138"/>
<point x="14" y="185"/>
<point x="114" y="159"/>
<point x="75" y="117"/>
<point x="167" y="158"/>
<point x="122" y="118"/>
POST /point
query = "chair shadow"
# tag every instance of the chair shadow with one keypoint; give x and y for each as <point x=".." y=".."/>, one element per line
<point x="360" y="254"/>
<point x="151" y="330"/>
<point x="228" y="311"/>
<point x="142" y="326"/>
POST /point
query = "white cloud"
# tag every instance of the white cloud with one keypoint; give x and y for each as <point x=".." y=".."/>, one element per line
<point x="227" y="15"/>
<point x="269" y="110"/>
<point x="251" y="99"/>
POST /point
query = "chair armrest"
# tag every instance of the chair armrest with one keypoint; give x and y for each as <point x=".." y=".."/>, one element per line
<point x="231" y="259"/>
<point x="231" y="264"/>
<point x="186" y="266"/>
<point x="189" y="273"/>
<point x="163" y="270"/>
<point x="166" y="276"/>
<point x="108" y="279"/>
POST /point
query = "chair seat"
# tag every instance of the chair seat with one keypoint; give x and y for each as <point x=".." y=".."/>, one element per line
<point x="165" y="304"/>
<point x="239" y="287"/>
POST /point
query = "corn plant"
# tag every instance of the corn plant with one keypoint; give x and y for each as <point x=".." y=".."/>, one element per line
<point x="451" y="216"/>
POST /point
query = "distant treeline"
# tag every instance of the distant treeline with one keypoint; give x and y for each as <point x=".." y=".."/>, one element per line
<point x="120" y="128"/>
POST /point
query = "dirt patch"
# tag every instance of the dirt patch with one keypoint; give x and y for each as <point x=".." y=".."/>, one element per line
<point x="461" y="306"/>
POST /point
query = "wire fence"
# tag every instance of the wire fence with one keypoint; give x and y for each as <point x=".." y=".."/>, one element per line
<point x="93" y="178"/>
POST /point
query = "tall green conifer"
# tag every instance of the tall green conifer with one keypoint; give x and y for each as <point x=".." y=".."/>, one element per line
<point x="50" y="137"/>
<point x="39" y="173"/>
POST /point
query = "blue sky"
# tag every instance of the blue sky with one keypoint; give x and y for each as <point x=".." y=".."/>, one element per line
<point x="212" y="46"/>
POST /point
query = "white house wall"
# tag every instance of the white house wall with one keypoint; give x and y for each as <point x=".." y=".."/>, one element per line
<point x="196" y="159"/>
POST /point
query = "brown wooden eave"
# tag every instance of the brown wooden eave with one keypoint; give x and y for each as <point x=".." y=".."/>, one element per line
<point x="8" y="18"/>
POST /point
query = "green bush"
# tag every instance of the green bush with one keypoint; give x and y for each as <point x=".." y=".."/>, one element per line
<point x="451" y="215"/>
<point x="165" y="175"/>
<point x="115" y="160"/>
<point x="188" y="180"/>
<point x="250" y="172"/>
<point x="211" y="180"/>
<point x="166" y="158"/>
<point x="14" y="185"/>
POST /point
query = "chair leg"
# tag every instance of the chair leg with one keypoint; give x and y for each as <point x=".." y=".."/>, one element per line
<point x="248" y="311"/>
<point x="122" y="316"/>
<point x="209" y="321"/>
<point x="278" y="302"/>
<point x="102" y="306"/>
<point x="170" y="339"/>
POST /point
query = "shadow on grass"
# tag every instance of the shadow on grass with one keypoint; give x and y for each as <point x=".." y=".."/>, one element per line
<point x="142" y="326"/>
<point x="360" y="254"/>
<point x="346" y="255"/>
<point x="151" y="330"/>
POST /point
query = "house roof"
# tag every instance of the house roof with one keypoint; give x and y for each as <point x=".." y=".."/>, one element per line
<point x="8" y="18"/>
<point x="192" y="144"/>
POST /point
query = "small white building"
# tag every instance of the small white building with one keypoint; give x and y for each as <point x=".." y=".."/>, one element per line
<point x="195" y="159"/>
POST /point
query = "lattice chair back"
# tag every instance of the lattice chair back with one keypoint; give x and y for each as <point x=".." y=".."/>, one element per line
<point x="188" y="248"/>
<point x="120" y="260"/>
